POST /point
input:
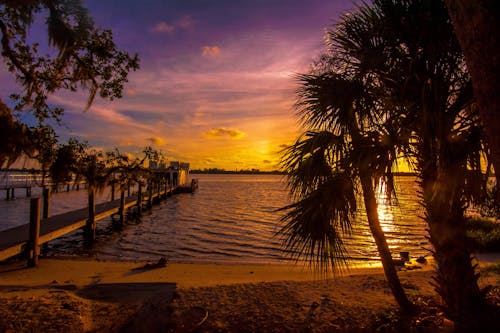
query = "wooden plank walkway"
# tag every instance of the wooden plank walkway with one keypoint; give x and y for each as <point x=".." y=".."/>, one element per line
<point x="12" y="241"/>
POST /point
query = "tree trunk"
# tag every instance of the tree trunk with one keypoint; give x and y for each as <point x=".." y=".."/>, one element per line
<point x="383" y="249"/>
<point x="476" y="25"/>
<point x="456" y="280"/>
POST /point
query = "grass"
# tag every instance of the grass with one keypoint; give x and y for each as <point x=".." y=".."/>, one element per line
<point x="484" y="234"/>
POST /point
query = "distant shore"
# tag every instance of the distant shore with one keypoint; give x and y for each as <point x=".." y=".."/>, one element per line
<point x="259" y="172"/>
<point x="99" y="296"/>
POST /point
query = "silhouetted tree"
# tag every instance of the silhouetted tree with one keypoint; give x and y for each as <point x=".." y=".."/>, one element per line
<point x="339" y="151"/>
<point x="476" y="24"/>
<point x="84" y="57"/>
<point x="404" y="52"/>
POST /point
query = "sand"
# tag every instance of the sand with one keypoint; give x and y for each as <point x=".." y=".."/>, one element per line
<point x="94" y="296"/>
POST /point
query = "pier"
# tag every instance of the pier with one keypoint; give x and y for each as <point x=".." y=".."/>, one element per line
<point x="28" y="237"/>
<point x="11" y="183"/>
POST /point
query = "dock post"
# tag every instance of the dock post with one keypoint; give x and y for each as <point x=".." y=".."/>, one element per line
<point x="28" y="192"/>
<point x="139" y="199"/>
<point x="78" y="187"/>
<point x="150" y="198"/>
<point x="67" y="187"/>
<point x="90" y="227"/>
<point x="122" y="207"/>
<point x="113" y="191"/>
<point x="46" y="212"/>
<point x="12" y="196"/>
<point x="46" y="203"/>
<point x="34" y="235"/>
<point x="7" y="197"/>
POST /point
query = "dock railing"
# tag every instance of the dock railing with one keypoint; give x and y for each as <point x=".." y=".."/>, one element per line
<point x="28" y="237"/>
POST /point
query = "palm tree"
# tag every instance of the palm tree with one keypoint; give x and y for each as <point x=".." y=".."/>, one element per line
<point x="407" y="58"/>
<point x="476" y="26"/>
<point x="340" y="149"/>
<point x="407" y="53"/>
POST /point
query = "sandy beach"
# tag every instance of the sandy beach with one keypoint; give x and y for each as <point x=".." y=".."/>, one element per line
<point x="95" y="296"/>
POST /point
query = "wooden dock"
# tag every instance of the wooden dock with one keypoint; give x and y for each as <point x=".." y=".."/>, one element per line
<point x="15" y="241"/>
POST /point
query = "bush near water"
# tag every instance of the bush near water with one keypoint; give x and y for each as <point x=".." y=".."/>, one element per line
<point x="484" y="234"/>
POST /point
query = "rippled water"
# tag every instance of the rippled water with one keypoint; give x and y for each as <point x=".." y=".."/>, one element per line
<point x="230" y="218"/>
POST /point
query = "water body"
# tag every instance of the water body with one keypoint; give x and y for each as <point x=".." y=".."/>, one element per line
<point x="230" y="218"/>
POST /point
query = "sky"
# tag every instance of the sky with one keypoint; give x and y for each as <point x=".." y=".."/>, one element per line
<point x="216" y="86"/>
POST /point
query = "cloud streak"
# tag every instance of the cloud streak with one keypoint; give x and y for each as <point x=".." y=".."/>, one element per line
<point x="210" y="51"/>
<point x="223" y="132"/>
<point x="184" y="23"/>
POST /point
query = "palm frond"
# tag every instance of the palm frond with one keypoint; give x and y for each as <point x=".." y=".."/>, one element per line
<point x="326" y="101"/>
<point x="315" y="225"/>
<point x="310" y="160"/>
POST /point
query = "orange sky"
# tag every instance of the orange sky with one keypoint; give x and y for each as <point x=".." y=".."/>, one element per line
<point x="216" y="86"/>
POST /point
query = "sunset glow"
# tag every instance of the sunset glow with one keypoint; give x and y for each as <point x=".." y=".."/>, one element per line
<point x="216" y="85"/>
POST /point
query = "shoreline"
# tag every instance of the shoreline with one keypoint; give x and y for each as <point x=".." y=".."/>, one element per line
<point x="85" y="271"/>
<point x="86" y="295"/>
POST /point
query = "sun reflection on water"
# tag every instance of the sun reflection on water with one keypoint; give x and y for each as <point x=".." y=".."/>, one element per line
<point x="384" y="208"/>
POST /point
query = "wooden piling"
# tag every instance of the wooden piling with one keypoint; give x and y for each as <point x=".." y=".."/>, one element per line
<point x="46" y="212"/>
<point x="90" y="227"/>
<point x="34" y="234"/>
<point x="28" y="192"/>
<point x="46" y="203"/>
<point x="12" y="196"/>
<point x="67" y="187"/>
<point x="139" y="199"/>
<point x="122" y="207"/>
<point x="150" y="198"/>
<point x="7" y="197"/>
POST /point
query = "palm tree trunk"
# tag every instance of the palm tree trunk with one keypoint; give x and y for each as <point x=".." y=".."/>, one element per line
<point x="456" y="280"/>
<point x="476" y="24"/>
<point x="383" y="249"/>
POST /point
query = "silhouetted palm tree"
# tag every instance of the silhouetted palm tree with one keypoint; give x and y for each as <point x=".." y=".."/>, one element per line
<point x="425" y="81"/>
<point x="340" y="149"/>
<point x="476" y="24"/>
<point x="406" y="55"/>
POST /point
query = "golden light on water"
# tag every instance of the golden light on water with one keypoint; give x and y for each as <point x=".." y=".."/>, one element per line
<point x="384" y="209"/>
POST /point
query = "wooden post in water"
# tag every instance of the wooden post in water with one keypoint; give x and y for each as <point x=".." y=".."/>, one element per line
<point x="67" y="187"/>
<point x="46" y="203"/>
<point x="90" y="227"/>
<point x="46" y="212"/>
<point x="150" y="198"/>
<point x="12" y="196"/>
<point x="34" y="235"/>
<point x="28" y="192"/>
<point x="158" y="191"/>
<point x="122" y="207"/>
<point x="139" y="200"/>
<point x="7" y="197"/>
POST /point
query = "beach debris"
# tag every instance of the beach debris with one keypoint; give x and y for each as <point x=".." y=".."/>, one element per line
<point x="398" y="262"/>
<point x="162" y="262"/>
<point x="421" y="260"/>
<point x="312" y="309"/>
